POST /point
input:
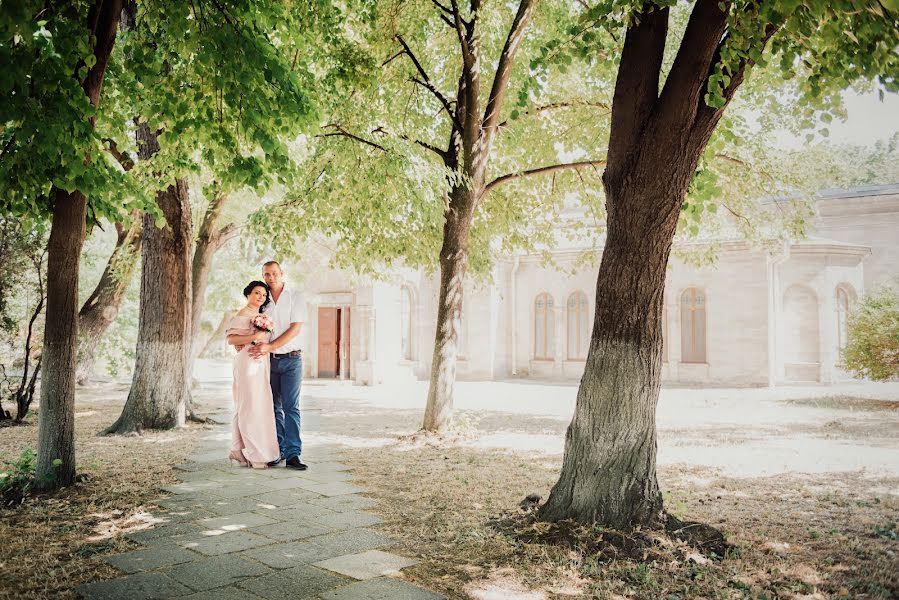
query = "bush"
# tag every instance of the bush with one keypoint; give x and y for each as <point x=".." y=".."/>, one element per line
<point x="873" y="348"/>
<point x="17" y="479"/>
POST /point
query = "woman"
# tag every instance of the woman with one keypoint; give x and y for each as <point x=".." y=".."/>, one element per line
<point x="253" y="438"/>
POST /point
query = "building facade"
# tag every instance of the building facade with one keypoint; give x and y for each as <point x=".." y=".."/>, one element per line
<point x="751" y="318"/>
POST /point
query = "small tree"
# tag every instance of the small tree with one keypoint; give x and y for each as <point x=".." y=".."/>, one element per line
<point x="873" y="348"/>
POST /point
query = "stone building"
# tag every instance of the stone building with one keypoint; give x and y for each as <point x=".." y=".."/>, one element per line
<point x="751" y="318"/>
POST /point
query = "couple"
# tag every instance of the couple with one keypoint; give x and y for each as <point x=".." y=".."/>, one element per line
<point x="268" y="369"/>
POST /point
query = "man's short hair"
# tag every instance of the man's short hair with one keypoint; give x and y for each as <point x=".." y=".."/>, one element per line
<point x="272" y="262"/>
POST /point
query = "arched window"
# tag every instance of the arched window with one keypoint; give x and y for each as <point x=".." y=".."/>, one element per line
<point x="406" y="322"/>
<point x="544" y="327"/>
<point x="844" y="299"/>
<point x="692" y="320"/>
<point x="578" y="333"/>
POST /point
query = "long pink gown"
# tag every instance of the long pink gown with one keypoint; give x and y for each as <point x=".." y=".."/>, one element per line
<point x="253" y="425"/>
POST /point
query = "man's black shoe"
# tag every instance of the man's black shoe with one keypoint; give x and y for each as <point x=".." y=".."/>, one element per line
<point x="294" y="463"/>
<point x="275" y="463"/>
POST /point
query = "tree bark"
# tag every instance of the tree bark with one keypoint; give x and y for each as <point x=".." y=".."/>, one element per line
<point x="159" y="387"/>
<point x="609" y="468"/>
<point x="56" y="424"/>
<point x="453" y="264"/>
<point x="101" y="308"/>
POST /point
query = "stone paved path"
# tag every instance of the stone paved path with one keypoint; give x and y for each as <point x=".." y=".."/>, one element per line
<point x="235" y="533"/>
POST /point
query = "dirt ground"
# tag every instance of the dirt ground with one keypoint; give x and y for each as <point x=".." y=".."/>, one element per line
<point x="48" y="542"/>
<point x="803" y="481"/>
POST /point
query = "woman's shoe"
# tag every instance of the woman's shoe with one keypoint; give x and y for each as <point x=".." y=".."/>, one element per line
<point x="236" y="456"/>
<point x="261" y="465"/>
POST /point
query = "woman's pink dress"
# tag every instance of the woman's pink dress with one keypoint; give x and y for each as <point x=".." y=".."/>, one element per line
<point x="253" y="426"/>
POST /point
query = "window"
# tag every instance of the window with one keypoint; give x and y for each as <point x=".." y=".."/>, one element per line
<point x="578" y="333"/>
<point x="843" y="301"/>
<point x="406" y="322"/>
<point x="692" y="319"/>
<point x="544" y="327"/>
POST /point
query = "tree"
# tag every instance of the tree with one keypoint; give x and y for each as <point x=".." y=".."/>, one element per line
<point x="23" y="253"/>
<point x="395" y="193"/>
<point x="659" y="133"/>
<point x="873" y="347"/>
<point x="57" y="58"/>
<point x="218" y="89"/>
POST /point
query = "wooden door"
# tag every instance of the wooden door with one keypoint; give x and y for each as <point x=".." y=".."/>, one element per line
<point x="328" y="342"/>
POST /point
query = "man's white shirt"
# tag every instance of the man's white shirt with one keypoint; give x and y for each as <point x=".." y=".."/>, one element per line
<point x="290" y="308"/>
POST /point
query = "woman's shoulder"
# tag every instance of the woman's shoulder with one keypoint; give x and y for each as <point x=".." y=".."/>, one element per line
<point x="240" y="315"/>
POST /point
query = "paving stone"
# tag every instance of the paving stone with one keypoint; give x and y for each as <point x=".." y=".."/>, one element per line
<point x="162" y="531"/>
<point x="190" y="487"/>
<point x="290" y="531"/>
<point x="218" y="571"/>
<point x="293" y="584"/>
<point x="226" y="593"/>
<point x="336" y="488"/>
<point x="344" y="503"/>
<point x="231" y="506"/>
<point x="142" y="586"/>
<point x="301" y="513"/>
<point x="243" y="488"/>
<point x="329" y="476"/>
<point x="382" y="588"/>
<point x="287" y="555"/>
<point x="285" y="498"/>
<point x="366" y="565"/>
<point x="354" y="540"/>
<point x="150" y="558"/>
<point x="235" y="522"/>
<point x="286" y="483"/>
<point x="232" y="541"/>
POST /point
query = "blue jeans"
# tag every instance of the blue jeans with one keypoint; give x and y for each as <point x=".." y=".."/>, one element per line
<point x="286" y="376"/>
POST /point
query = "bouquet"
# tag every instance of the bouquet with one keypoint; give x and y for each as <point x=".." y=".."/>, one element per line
<point x="263" y="323"/>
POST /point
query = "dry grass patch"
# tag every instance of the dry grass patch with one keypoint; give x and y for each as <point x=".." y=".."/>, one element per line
<point x="50" y="542"/>
<point x="797" y="537"/>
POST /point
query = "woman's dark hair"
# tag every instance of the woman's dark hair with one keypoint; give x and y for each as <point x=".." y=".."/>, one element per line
<point x="252" y="286"/>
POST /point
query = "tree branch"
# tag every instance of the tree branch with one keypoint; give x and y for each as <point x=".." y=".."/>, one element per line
<point x="425" y="80"/>
<point x="706" y="116"/>
<point x="122" y="157"/>
<point x="442" y="7"/>
<point x="425" y="145"/>
<point x="462" y="34"/>
<point x="637" y="85"/>
<point x="504" y="68"/>
<point x="557" y="105"/>
<point x="541" y="171"/>
<point x="684" y="84"/>
<point x="341" y="132"/>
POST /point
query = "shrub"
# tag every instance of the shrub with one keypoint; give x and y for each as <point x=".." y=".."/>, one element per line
<point x="873" y="348"/>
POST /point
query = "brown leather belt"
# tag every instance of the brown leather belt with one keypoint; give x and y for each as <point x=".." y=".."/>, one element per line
<point x="288" y="354"/>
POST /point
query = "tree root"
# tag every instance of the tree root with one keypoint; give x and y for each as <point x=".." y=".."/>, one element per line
<point x="668" y="536"/>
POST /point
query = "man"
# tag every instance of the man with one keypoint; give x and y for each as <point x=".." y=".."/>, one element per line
<point x="288" y="311"/>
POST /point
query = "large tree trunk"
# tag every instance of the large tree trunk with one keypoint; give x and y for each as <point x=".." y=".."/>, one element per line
<point x="159" y="387"/>
<point x="453" y="264"/>
<point x="101" y="308"/>
<point x="609" y="470"/>
<point x="56" y="423"/>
